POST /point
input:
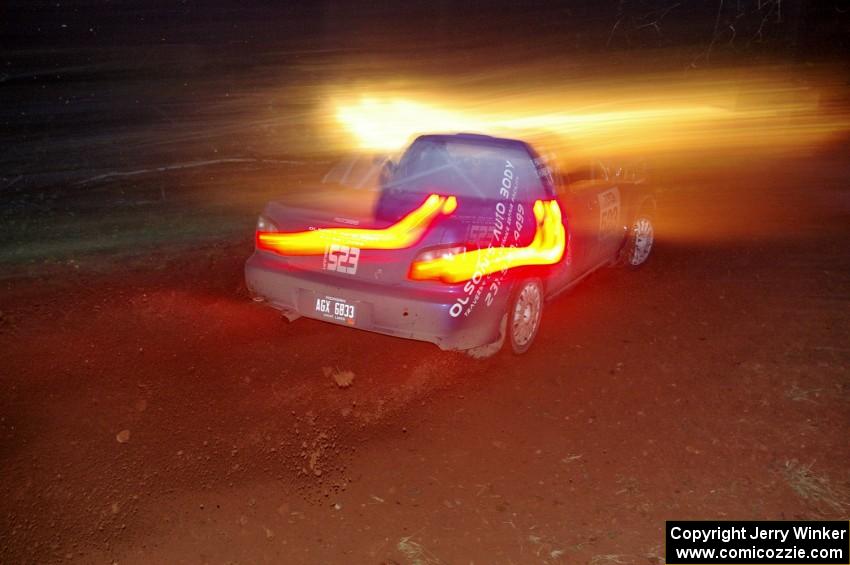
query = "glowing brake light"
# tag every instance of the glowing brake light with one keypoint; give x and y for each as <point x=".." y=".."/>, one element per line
<point x="404" y="233"/>
<point x="265" y="225"/>
<point x="443" y="252"/>
<point x="546" y="248"/>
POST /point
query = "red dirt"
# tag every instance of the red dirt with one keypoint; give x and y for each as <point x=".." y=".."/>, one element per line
<point x="709" y="385"/>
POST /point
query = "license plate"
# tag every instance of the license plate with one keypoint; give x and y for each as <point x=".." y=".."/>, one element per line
<point x="336" y="309"/>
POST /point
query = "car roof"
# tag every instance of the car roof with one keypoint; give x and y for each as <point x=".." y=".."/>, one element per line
<point x="476" y="137"/>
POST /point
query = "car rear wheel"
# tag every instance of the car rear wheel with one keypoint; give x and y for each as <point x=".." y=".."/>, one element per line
<point x="524" y="314"/>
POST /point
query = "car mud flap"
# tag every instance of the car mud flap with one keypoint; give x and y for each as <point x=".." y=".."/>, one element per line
<point x="489" y="350"/>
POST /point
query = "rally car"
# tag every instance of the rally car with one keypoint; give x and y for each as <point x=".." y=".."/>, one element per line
<point x="461" y="242"/>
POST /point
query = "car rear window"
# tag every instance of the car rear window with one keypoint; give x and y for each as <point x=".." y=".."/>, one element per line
<point x="465" y="167"/>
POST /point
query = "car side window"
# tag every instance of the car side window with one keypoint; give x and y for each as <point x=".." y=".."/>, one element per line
<point x="561" y="182"/>
<point x="585" y="176"/>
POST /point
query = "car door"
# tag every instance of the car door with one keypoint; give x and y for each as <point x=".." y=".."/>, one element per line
<point x="613" y="219"/>
<point x="605" y="220"/>
<point x="579" y="205"/>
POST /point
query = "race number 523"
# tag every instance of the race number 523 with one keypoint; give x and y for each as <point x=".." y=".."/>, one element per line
<point x="342" y="258"/>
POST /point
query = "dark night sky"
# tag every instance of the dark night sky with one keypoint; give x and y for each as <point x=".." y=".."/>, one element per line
<point x="814" y="28"/>
<point x="105" y="82"/>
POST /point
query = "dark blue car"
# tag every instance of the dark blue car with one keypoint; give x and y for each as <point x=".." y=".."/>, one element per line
<point x="459" y="243"/>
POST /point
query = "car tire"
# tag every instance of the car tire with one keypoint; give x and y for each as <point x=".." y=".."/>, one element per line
<point x="641" y="238"/>
<point x="525" y="310"/>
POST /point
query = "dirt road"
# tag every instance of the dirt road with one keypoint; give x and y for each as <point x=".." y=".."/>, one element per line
<point x="151" y="413"/>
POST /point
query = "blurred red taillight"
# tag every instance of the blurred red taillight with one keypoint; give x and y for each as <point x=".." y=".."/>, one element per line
<point x="547" y="248"/>
<point x="264" y="225"/>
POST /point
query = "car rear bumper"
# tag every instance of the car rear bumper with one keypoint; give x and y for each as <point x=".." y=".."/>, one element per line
<point x="392" y="310"/>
